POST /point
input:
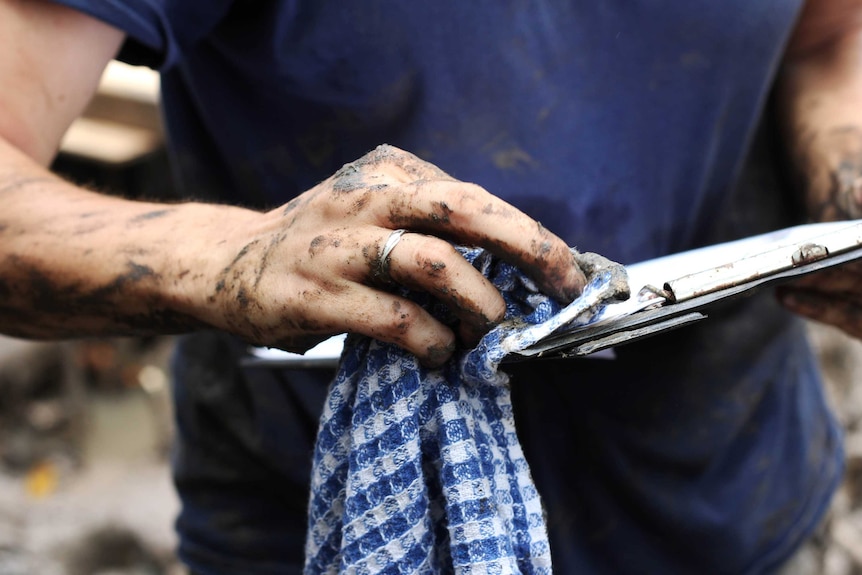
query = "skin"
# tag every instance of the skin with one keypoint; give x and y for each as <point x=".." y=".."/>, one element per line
<point x="74" y="262"/>
<point x="820" y="105"/>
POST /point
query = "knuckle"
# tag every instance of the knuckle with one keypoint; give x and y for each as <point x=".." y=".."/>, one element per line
<point x="389" y="150"/>
<point x="434" y="255"/>
<point x="401" y="318"/>
<point x="385" y="154"/>
<point x="471" y="190"/>
<point x="472" y="198"/>
<point x="497" y="310"/>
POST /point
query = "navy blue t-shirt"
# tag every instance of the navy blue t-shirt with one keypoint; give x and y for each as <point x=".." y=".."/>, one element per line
<point x="623" y="126"/>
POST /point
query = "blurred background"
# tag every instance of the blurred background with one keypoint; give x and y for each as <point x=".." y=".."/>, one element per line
<point x="86" y="426"/>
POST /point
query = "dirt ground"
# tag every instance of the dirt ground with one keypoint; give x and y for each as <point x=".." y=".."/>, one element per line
<point x="84" y="443"/>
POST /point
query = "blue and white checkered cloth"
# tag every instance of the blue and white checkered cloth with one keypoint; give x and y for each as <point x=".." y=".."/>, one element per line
<point x="420" y="470"/>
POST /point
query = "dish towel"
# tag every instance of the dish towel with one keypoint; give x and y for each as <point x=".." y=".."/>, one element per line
<point x="420" y="470"/>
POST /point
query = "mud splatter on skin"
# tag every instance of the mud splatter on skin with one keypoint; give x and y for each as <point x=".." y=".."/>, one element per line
<point x="432" y="268"/>
<point x="376" y="273"/>
<point x="402" y="328"/>
<point x="331" y="287"/>
<point x="299" y="201"/>
<point x="229" y="272"/>
<point x="351" y="187"/>
<point x="291" y="205"/>
<point x="534" y="264"/>
<point x="441" y="213"/>
<point x="135" y="274"/>
<point x="18" y="184"/>
<point x="130" y="251"/>
<point x="153" y="322"/>
<point x="348" y="178"/>
<point x="435" y="356"/>
<point x="380" y="154"/>
<point x="346" y="171"/>
<point x="842" y="199"/>
<point x="477" y="320"/>
<point x="237" y="286"/>
<point x="90" y="229"/>
<point x="264" y="259"/>
<point x="495" y="210"/>
<point x="71" y="310"/>
<point x="400" y="216"/>
<point x="150" y="216"/>
<point x="315" y="245"/>
<point x="319" y="243"/>
<point x="312" y="325"/>
<point x="591" y="263"/>
<point x="410" y="164"/>
<point x="241" y="254"/>
<point x="242" y="299"/>
<point x="542" y="248"/>
<point x="360" y="202"/>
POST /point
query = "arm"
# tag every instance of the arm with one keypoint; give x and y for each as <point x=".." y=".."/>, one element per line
<point x="820" y="105"/>
<point x="820" y="102"/>
<point x="73" y="262"/>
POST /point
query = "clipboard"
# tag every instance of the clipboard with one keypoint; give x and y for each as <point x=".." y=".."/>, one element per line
<point x="668" y="293"/>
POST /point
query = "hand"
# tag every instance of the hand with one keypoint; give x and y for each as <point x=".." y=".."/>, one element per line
<point x="313" y="267"/>
<point x="832" y="296"/>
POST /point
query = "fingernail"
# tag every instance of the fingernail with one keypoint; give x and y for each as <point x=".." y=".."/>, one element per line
<point x="436" y="356"/>
<point x="577" y="287"/>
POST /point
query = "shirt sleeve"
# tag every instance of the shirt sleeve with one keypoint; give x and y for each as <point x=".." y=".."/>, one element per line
<point x="158" y="31"/>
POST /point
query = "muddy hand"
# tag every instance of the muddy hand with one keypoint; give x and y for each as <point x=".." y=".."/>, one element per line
<point x="317" y="265"/>
<point x="832" y="296"/>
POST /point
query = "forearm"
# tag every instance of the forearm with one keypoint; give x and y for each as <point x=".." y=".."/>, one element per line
<point x="820" y="106"/>
<point x="74" y="262"/>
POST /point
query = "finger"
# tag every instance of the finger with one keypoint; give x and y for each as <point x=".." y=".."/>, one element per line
<point x="392" y="319"/>
<point x="846" y="278"/>
<point x="418" y="262"/>
<point x="383" y="167"/>
<point x="841" y="312"/>
<point x="411" y="167"/>
<point x="432" y="265"/>
<point x="467" y="214"/>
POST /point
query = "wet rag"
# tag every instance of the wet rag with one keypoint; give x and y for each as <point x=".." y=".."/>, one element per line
<point x="420" y="470"/>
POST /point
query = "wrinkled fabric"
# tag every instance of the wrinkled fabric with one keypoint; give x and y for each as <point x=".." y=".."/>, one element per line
<point x="420" y="470"/>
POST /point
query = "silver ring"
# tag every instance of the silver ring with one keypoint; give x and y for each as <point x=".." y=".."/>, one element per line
<point x="384" y="258"/>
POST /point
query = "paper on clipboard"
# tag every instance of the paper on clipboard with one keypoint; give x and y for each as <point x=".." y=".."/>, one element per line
<point x="667" y="292"/>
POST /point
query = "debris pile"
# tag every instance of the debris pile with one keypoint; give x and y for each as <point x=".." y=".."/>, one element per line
<point x="84" y="482"/>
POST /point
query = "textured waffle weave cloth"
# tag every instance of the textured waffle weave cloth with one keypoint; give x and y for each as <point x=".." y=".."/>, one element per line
<point x="420" y="470"/>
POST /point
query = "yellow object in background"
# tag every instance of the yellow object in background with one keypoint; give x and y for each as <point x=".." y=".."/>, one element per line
<point x="41" y="481"/>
